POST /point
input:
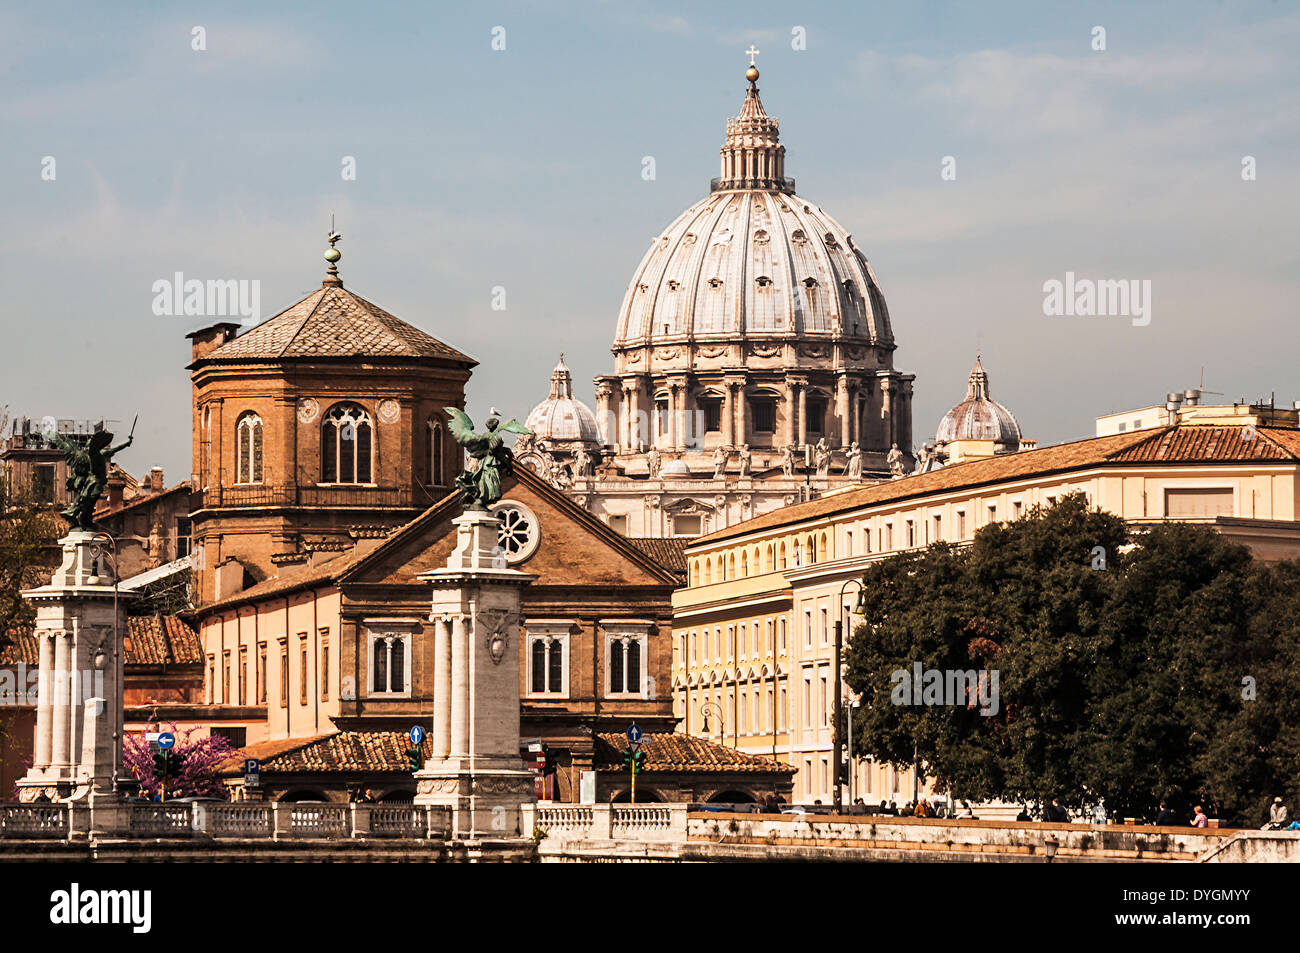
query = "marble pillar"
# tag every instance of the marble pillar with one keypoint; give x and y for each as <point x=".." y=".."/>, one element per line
<point x="80" y="625"/>
<point x="476" y="769"/>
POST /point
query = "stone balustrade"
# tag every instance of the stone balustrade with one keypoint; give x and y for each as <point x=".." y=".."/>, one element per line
<point x="635" y="822"/>
<point x="34" y="821"/>
<point x="222" y="820"/>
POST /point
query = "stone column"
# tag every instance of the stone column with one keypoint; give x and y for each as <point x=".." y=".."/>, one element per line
<point x="460" y="686"/>
<point x="77" y="739"/>
<point x="842" y="408"/>
<point x="44" y="702"/>
<point x="634" y="419"/>
<point x="483" y="781"/>
<point x="803" y="413"/>
<point x="442" y="697"/>
<point x="729" y="415"/>
<point x="787" y="431"/>
<point x="887" y="411"/>
<point x="60" y="756"/>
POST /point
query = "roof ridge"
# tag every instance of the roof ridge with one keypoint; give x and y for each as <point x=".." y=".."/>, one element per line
<point x="307" y="317"/>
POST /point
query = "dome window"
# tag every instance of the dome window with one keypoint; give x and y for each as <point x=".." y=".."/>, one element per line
<point x="761" y="237"/>
<point x="764" y="281"/>
<point x="810" y="283"/>
<point x="674" y="285"/>
<point x="715" y="283"/>
<point x="831" y="242"/>
<point x="688" y="238"/>
<point x="642" y="288"/>
<point x="798" y="237"/>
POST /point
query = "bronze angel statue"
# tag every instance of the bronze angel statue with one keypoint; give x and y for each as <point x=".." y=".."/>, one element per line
<point x="481" y="486"/>
<point x="87" y="472"/>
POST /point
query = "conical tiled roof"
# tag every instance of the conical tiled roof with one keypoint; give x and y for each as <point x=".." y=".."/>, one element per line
<point x="332" y="323"/>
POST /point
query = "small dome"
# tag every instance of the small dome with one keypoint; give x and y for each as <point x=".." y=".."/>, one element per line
<point x="561" y="418"/>
<point x="980" y="417"/>
<point x="675" y="470"/>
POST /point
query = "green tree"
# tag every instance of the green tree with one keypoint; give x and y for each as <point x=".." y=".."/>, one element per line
<point x="28" y="530"/>
<point x="1121" y="683"/>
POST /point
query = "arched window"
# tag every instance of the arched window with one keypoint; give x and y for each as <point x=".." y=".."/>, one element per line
<point x="347" y="445"/>
<point x="744" y="564"/>
<point x="248" y="446"/>
<point x="434" y="458"/>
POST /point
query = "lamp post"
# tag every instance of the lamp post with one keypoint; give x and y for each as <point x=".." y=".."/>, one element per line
<point x="859" y="608"/>
<point x="717" y="710"/>
<point x="856" y="702"/>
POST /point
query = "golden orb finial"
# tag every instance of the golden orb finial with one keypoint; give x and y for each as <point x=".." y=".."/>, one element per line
<point x="751" y="74"/>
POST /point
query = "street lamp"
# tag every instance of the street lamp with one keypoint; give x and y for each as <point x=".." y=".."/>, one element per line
<point x="707" y="707"/>
<point x="1051" y="844"/>
<point x="856" y="703"/>
<point x="859" y="608"/>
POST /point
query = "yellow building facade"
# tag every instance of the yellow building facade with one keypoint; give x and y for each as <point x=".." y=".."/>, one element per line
<point x="754" y="628"/>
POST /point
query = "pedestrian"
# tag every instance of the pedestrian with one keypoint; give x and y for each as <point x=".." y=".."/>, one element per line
<point x="966" y="811"/>
<point x="1166" y="817"/>
<point x="1024" y="814"/>
<point x="1055" y="813"/>
<point x="1277" y="816"/>
<point x="1200" y="820"/>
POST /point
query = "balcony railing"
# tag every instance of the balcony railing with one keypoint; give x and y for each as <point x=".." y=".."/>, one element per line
<point x="274" y="496"/>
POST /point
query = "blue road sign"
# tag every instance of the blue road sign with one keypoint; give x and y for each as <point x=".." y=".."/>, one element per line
<point x="417" y="735"/>
<point x="166" y="740"/>
<point x="633" y="734"/>
<point x="252" y="766"/>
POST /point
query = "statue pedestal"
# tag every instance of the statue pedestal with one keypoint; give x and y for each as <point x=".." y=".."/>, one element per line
<point x="80" y="624"/>
<point x="476" y="769"/>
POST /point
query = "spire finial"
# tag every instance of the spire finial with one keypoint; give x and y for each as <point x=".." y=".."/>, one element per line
<point x="751" y="74"/>
<point x="332" y="255"/>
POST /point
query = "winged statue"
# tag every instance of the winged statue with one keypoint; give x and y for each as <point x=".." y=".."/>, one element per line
<point x="480" y="486"/>
<point x="87" y="472"/>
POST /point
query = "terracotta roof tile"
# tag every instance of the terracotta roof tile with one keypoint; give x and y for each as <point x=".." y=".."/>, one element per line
<point x="343" y="751"/>
<point x="682" y="753"/>
<point x="159" y="640"/>
<point x="333" y="322"/>
<point x="150" y="640"/>
<point x="669" y="553"/>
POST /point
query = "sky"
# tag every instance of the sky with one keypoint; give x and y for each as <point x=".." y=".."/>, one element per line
<point x="479" y="169"/>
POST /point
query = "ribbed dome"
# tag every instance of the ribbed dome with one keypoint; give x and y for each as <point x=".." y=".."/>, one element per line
<point x="980" y="417"/>
<point x="752" y="259"/>
<point x="561" y="418"/>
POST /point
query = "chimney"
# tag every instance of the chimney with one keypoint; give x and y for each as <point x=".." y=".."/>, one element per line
<point x="1172" y="403"/>
<point x="155" y="479"/>
<point x="206" y="340"/>
<point x="1192" y="397"/>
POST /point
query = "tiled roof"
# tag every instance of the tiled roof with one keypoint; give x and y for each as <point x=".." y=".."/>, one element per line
<point x="1187" y="443"/>
<point x="21" y="648"/>
<point x="666" y="753"/>
<point x="333" y="322"/>
<point x="344" y="752"/>
<point x="104" y="509"/>
<point x="161" y="639"/>
<point x="150" y="640"/>
<point x="1204" y="443"/>
<point x="669" y="553"/>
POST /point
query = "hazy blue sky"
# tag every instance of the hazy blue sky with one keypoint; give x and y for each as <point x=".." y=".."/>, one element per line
<point x="522" y="169"/>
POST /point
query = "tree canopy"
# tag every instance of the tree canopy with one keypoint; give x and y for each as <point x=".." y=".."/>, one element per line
<point x="1118" y="660"/>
